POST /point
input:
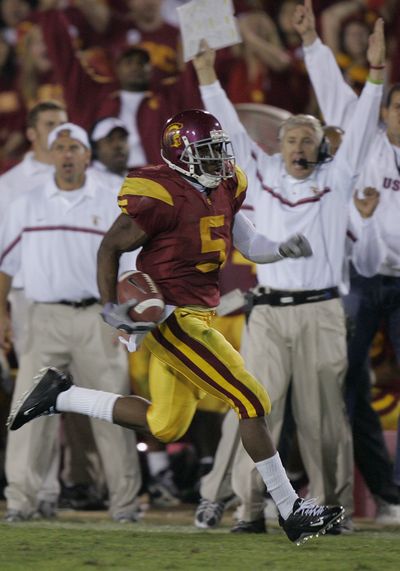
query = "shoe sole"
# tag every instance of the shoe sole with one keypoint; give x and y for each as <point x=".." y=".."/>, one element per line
<point x="37" y="378"/>
<point x="305" y="537"/>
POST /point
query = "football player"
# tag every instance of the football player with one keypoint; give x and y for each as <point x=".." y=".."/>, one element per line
<point x="185" y="216"/>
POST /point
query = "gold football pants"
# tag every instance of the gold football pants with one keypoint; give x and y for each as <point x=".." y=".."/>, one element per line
<point x="207" y="363"/>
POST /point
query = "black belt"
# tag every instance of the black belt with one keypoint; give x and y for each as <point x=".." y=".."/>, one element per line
<point x="81" y="303"/>
<point x="283" y="298"/>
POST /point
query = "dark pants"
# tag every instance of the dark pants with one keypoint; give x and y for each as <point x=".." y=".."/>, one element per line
<point x="370" y="301"/>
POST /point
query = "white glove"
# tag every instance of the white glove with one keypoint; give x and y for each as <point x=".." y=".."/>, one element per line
<point x="117" y="316"/>
<point x="295" y="247"/>
<point x="134" y="341"/>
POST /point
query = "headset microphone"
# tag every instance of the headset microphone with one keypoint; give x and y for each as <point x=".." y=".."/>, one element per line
<point x="304" y="163"/>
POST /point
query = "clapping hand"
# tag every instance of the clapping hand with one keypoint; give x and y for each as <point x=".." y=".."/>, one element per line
<point x="366" y="206"/>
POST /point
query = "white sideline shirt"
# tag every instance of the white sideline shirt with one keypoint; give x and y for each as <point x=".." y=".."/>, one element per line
<point x="381" y="169"/>
<point x="130" y="103"/>
<point x="316" y="207"/>
<point x="26" y="175"/>
<point x="22" y="178"/>
<point x="54" y="238"/>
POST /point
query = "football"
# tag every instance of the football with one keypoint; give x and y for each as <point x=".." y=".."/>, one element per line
<point x="138" y="285"/>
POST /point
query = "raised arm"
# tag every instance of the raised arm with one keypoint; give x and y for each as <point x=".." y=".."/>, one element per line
<point x="335" y="97"/>
<point x="361" y="130"/>
<point x="216" y="102"/>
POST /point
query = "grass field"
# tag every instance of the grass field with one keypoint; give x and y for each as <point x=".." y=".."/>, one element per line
<point x="167" y="540"/>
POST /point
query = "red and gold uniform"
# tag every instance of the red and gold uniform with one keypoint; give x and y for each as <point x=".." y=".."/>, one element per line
<point x="190" y="235"/>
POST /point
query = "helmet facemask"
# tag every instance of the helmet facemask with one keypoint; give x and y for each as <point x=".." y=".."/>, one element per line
<point x="209" y="161"/>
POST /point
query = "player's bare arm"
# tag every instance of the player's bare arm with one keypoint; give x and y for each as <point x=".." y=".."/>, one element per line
<point x="123" y="236"/>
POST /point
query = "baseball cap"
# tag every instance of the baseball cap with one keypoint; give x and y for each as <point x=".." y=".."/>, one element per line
<point x="71" y="130"/>
<point x="104" y="127"/>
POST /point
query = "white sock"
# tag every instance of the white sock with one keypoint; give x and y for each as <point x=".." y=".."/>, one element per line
<point x="157" y="462"/>
<point x="96" y="404"/>
<point x="278" y="484"/>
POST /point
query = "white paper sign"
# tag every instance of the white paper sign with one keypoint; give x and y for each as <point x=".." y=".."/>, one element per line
<point x="212" y="20"/>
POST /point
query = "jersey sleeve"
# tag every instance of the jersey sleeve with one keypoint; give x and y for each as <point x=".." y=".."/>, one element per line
<point x="240" y="188"/>
<point x="149" y="203"/>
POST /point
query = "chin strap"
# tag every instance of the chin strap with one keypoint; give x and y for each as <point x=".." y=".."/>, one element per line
<point x="207" y="180"/>
<point x="204" y="179"/>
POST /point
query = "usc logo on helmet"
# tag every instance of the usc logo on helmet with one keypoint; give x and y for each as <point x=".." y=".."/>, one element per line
<point x="172" y="136"/>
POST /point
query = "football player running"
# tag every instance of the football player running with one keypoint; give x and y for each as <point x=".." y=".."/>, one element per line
<point x="185" y="216"/>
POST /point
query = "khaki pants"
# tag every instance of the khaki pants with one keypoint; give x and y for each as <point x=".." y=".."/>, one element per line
<point x="66" y="337"/>
<point x="305" y="344"/>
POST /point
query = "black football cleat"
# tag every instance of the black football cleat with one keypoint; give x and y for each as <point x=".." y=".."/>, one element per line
<point x="41" y="399"/>
<point x="310" y="520"/>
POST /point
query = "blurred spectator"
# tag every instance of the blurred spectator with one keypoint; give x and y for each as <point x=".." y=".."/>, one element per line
<point x="125" y="95"/>
<point x="37" y="77"/>
<point x="88" y="19"/>
<point x="353" y="43"/>
<point x="12" y="13"/>
<point x="261" y="50"/>
<point x="290" y="87"/>
<point x="12" y="113"/>
<point x="143" y="25"/>
<point x="37" y="163"/>
<point x="110" y="150"/>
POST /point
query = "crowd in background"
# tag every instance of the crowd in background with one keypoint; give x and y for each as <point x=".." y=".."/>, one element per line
<point x="81" y="53"/>
<point x="36" y="60"/>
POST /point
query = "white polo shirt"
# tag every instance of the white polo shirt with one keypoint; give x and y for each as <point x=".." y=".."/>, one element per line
<point x="381" y="169"/>
<point x="316" y="206"/>
<point x="106" y="177"/>
<point x="25" y="176"/>
<point x="53" y="237"/>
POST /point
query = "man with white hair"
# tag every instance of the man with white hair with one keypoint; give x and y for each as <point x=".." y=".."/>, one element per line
<point x="296" y="331"/>
<point x="377" y="296"/>
<point x="52" y="235"/>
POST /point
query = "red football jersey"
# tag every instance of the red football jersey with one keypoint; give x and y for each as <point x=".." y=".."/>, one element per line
<point x="190" y="233"/>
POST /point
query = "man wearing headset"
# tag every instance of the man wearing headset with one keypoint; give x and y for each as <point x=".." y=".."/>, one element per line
<point x="376" y="296"/>
<point x="296" y="331"/>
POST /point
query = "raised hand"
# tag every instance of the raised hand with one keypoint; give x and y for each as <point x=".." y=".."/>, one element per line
<point x="304" y="22"/>
<point x="376" y="53"/>
<point x="366" y="206"/>
<point x="205" y="57"/>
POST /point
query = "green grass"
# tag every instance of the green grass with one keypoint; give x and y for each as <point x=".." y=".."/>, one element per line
<point x="75" y="546"/>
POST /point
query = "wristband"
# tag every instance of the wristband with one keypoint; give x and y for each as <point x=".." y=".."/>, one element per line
<point x="376" y="81"/>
